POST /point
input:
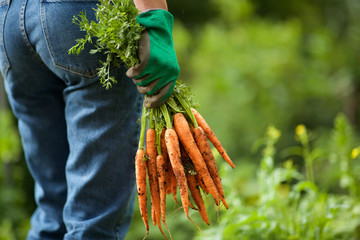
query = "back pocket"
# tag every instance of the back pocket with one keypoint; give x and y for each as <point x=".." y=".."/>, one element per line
<point x="4" y="5"/>
<point x="60" y="35"/>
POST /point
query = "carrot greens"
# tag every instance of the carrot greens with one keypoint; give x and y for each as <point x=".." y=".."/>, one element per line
<point x="114" y="33"/>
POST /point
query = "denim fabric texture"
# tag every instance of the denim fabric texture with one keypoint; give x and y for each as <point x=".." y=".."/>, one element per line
<point x="79" y="139"/>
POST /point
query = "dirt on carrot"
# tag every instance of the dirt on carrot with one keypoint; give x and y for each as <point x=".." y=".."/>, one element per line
<point x="183" y="130"/>
<point x="173" y="147"/>
<point x="212" y="137"/>
<point x="140" y="173"/>
<point x="205" y="149"/>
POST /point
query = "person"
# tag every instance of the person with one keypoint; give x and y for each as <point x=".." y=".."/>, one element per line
<point x="79" y="139"/>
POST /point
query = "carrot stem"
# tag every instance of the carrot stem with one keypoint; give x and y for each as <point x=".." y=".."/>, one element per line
<point x="151" y="118"/>
<point x="158" y="129"/>
<point x="166" y="115"/>
<point x="187" y="109"/>
<point x="143" y="127"/>
<point x="172" y="104"/>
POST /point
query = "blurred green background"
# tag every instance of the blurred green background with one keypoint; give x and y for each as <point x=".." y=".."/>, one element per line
<point x="251" y="64"/>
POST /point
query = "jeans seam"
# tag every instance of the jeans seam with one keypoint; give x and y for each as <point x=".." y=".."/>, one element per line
<point x="2" y="41"/>
<point x="68" y="68"/>
<point x="23" y="31"/>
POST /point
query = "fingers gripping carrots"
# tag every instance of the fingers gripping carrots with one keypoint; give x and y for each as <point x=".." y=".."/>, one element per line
<point x="178" y="155"/>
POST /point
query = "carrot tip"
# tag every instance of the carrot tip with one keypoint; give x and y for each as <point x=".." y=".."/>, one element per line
<point x="147" y="234"/>
<point x="196" y="225"/>
<point x="167" y="229"/>
<point x="162" y="232"/>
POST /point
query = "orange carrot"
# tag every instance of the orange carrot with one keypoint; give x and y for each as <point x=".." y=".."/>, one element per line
<point x="201" y="184"/>
<point x="160" y="164"/>
<point x="205" y="149"/>
<point x="190" y="203"/>
<point x="199" y="181"/>
<point x="188" y="163"/>
<point x="167" y="166"/>
<point x="188" y="168"/>
<point x="153" y="180"/>
<point x="151" y="165"/>
<point x="169" y="179"/>
<point x="196" y="195"/>
<point x="212" y="137"/>
<point x="140" y="172"/>
<point x="183" y="130"/>
<point x="171" y="186"/>
<point x="174" y="187"/>
<point x="153" y="214"/>
<point x="173" y="147"/>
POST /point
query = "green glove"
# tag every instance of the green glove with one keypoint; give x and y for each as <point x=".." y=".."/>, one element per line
<point x="156" y="73"/>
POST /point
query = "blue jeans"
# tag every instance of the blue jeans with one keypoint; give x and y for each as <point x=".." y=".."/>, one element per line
<point x="79" y="139"/>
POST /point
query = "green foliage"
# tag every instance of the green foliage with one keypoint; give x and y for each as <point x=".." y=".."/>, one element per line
<point x="116" y="34"/>
<point x="255" y="71"/>
<point x="233" y="11"/>
<point x="9" y="139"/>
<point x="14" y="215"/>
<point x="345" y="156"/>
<point x="6" y="232"/>
<point x="290" y="205"/>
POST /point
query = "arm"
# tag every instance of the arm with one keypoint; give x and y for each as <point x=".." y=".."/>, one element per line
<point x="144" y="5"/>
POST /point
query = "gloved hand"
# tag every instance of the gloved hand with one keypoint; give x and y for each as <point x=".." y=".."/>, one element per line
<point x="156" y="73"/>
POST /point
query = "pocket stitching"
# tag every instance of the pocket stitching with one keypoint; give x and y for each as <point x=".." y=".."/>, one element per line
<point x="69" y="67"/>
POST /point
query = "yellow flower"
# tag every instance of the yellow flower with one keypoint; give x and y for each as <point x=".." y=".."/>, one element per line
<point x="300" y="130"/>
<point x="355" y="152"/>
<point x="273" y="132"/>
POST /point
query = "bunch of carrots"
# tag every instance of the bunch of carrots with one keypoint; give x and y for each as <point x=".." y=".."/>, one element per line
<point x="177" y="154"/>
